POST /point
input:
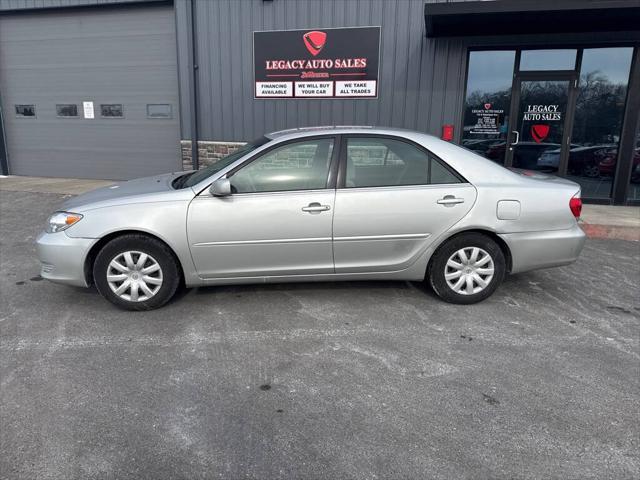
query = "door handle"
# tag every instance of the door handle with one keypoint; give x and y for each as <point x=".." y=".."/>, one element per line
<point x="517" y="137"/>
<point x="315" y="207"/>
<point x="450" y="200"/>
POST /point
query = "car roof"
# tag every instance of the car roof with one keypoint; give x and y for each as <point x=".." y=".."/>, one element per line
<point x="337" y="129"/>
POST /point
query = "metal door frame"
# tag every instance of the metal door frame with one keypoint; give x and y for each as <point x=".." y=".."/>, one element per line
<point x="551" y="75"/>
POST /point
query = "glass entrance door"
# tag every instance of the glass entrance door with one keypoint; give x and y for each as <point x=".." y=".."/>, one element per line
<point x="540" y="124"/>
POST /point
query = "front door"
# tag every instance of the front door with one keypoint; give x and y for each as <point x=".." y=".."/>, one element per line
<point x="540" y="124"/>
<point x="277" y="221"/>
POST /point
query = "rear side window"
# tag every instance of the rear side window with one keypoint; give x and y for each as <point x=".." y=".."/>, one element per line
<point x="386" y="162"/>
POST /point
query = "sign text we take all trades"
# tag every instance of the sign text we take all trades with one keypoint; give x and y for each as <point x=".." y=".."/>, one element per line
<point x="327" y="63"/>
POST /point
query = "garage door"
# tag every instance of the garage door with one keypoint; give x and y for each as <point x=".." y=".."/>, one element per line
<point x="90" y="93"/>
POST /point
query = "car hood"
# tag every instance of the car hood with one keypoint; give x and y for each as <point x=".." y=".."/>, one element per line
<point x="123" y="191"/>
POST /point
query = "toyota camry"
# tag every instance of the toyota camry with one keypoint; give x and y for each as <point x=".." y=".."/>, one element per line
<point x="317" y="204"/>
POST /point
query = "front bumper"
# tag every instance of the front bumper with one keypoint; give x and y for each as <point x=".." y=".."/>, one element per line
<point x="62" y="257"/>
<point x="554" y="248"/>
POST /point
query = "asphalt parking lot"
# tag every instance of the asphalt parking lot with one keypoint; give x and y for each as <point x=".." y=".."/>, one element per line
<point x="343" y="380"/>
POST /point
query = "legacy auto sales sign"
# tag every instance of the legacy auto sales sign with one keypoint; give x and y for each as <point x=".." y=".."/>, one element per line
<point x="322" y="63"/>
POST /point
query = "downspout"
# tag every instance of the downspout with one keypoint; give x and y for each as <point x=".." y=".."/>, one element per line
<point x="195" y="160"/>
<point x="4" y="156"/>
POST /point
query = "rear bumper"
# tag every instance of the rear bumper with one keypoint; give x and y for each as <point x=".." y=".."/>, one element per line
<point x="62" y="257"/>
<point x="533" y="250"/>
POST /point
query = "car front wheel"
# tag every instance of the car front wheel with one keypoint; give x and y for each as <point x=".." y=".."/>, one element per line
<point x="467" y="268"/>
<point x="136" y="272"/>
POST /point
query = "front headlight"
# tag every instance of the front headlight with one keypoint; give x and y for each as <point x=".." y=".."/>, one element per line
<point x="60" y="221"/>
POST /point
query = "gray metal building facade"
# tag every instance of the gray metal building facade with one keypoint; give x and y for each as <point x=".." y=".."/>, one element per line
<point x="422" y="76"/>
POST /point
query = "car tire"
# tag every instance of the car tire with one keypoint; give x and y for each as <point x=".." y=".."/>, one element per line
<point x="452" y="264"/>
<point x="591" y="171"/>
<point x="147" y="264"/>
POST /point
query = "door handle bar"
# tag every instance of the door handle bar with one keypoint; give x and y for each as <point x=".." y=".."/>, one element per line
<point x="450" y="200"/>
<point x="315" y="207"/>
<point x="517" y="137"/>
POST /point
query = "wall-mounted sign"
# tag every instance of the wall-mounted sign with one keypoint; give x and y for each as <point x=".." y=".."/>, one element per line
<point x="88" y="109"/>
<point x="321" y="63"/>
<point x="488" y="120"/>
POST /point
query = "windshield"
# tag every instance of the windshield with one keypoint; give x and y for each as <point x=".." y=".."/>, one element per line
<point x="196" y="177"/>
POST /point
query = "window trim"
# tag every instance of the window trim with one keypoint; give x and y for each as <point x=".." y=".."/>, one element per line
<point x="342" y="172"/>
<point x="330" y="183"/>
<point x="150" y="117"/>
<point x="17" y="115"/>
<point x="112" y="117"/>
<point x="77" y="115"/>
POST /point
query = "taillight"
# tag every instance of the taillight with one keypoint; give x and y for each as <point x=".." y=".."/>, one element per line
<point x="575" y="205"/>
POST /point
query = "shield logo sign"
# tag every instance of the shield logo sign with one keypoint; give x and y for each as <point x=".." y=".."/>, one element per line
<point x="539" y="132"/>
<point x="487" y="106"/>
<point x="314" y="41"/>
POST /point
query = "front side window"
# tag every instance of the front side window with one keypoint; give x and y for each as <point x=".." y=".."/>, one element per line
<point x="385" y="162"/>
<point x="296" y="166"/>
<point x="67" y="110"/>
<point x="25" y="111"/>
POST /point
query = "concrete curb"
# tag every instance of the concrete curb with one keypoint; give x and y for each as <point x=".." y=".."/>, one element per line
<point x="616" y="232"/>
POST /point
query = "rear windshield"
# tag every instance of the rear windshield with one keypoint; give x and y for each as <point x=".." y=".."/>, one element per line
<point x="200" y="175"/>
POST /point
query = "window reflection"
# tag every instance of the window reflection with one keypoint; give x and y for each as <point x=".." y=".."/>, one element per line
<point x="598" y="119"/>
<point x="487" y="103"/>
<point x="540" y="123"/>
<point x="557" y="59"/>
<point x="634" y="182"/>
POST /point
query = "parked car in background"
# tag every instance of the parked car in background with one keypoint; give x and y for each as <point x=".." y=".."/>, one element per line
<point x="607" y="166"/>
<point x="525" y="154"/>
<point x="317" y="204"/>
<point x="480" y="146"/>
<point x="583" y="161"/>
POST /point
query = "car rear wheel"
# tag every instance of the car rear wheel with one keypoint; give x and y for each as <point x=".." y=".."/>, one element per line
<point x="136" y="272"/>
<point x="467" y="268"/>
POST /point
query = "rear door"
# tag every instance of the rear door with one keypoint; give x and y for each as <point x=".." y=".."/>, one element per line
<point x="394" y="199"/>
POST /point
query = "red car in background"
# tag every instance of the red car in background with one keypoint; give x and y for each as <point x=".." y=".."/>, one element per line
<point x="607" y="165"/>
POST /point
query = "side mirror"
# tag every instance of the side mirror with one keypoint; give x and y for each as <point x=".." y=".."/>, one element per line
<point x="221" y="188"/>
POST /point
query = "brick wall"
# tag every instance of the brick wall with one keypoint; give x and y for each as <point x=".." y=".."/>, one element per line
<point x="208" y="152"/>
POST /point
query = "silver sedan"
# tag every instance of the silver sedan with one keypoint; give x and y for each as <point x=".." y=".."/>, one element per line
<point x="317" y="204"/>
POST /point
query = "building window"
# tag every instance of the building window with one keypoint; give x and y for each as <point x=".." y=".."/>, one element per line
<point x="597" y="126"/>
<point x="557" y="59"/>
<point x="67" y="110"/>
<point x="25" y="111"/>
<point x="487" y="102"/>
<point x="159" y="110"/>
<point x="111" y="110"/>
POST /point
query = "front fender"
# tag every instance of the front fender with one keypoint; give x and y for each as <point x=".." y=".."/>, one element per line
<point x="164" y="220"/>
